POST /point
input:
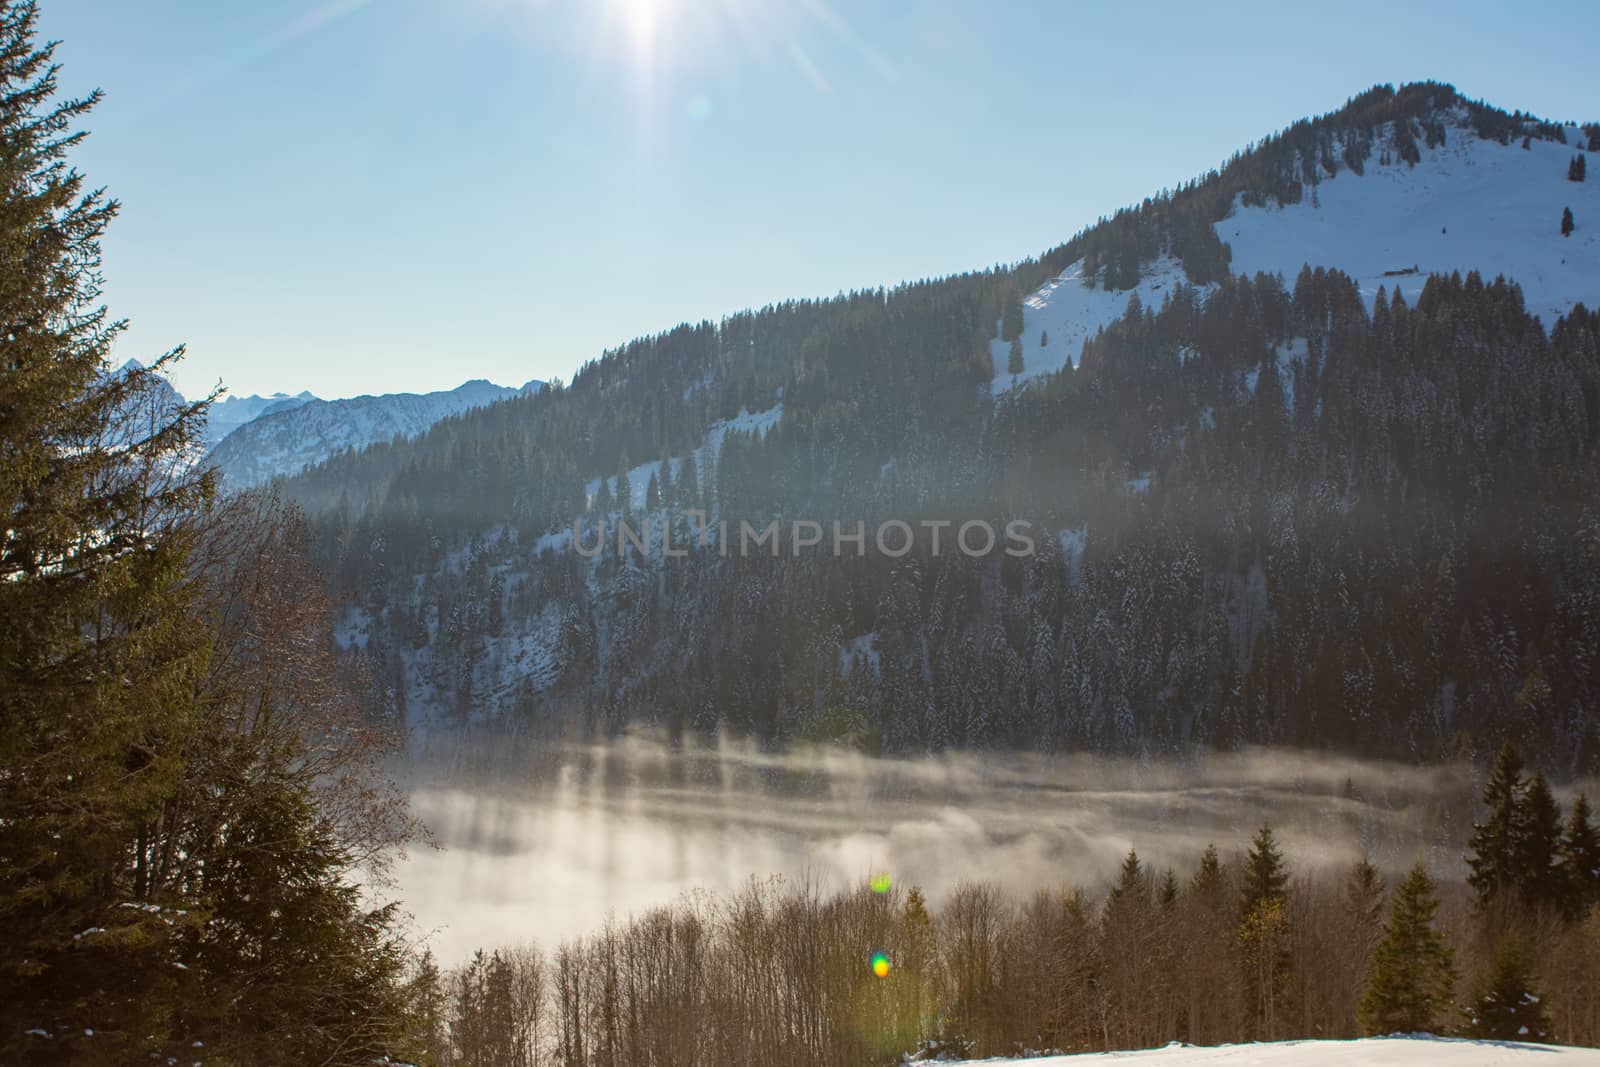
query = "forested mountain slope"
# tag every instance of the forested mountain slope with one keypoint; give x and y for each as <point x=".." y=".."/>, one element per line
<point x="1349" y="503"/>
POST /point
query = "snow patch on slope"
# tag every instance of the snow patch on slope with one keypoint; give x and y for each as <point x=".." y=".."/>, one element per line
<point x="756" y="422"/>
<point x="1066" y="313"/>
<point x="1470" y="204"/>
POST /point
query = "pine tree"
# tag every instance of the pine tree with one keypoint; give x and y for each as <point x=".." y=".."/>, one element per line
<point x="1567" y="224"/>
<point x="1044" y="338"/>
<point x="1495" y="849"/>
<point x="100" y="654"/>
<point x="1363" y="894"/>
<point x="669" y="484"/>
<point x="1509" y="1009"/>
<point x="171" y="871"/>
<point x="689" y="481"/>
<point x="652" y="494"/>
<point x="1264" y="928"/>
<point x="622" y="490"/>
<point x="1133" y="884"/>
<point x="1011" y="321"/>
<point x="1264" y="876"/>
<point x="1167" y="893"/>
<point x="1014" y="361"/>
<point x="427" y="1014"/>
<point x="1580" y="861"/>
<point x="1578" y="168"/>
<point x="1413" y="969"/>
<point x="1207" y="880"/>
<point x="1539" y="847"/>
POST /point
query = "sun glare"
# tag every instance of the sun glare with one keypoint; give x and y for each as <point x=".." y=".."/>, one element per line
<point x="640" y="18"/>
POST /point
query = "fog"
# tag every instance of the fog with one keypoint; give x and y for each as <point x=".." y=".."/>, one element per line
<point x="587" y="832"/>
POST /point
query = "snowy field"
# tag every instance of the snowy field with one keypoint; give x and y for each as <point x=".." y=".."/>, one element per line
<point x="1420" y="1051"/>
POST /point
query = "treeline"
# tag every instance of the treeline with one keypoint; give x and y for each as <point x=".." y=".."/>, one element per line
<point x="191" y="787"/>
<point x="1232" y="949"/>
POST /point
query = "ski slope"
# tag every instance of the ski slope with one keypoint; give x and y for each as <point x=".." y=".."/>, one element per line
<point x="1470" y="204"/>
<point x="1421" y="1050"/>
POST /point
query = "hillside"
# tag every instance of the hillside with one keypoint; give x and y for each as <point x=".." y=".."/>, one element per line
<point x="1466" y="204"/>
<point x="1285" y="494"/>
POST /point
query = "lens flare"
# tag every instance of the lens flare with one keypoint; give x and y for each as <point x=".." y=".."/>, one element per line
<point x="880" y="965"/>
<point x="880" y="882"/>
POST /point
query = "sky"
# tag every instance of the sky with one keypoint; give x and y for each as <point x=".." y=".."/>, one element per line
<point x="370" y="196"/>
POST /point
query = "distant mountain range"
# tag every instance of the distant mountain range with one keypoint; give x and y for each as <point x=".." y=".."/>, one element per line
<point x="232" y="412"/>
<point x="253" y="439"/>
<point x="282" y="435"/>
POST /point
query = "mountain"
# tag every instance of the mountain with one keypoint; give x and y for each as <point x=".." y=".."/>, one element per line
<point x="1308" y="448"/>
<point x="286" y="434"/>
<point x="1466" y="203"/>
<point x="232" y="412"/>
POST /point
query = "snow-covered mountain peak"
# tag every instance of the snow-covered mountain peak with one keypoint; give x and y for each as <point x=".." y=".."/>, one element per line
<point x="284" y="435"/>
<point x="1466" y="203"/>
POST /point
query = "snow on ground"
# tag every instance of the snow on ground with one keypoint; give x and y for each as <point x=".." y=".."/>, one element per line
<point x="862" y="650"/>
<point x="1421" y="1050"/>
<point x="1067" y="313"/>
<point x="1470" y="204"/>
<point x="757" y="422"/>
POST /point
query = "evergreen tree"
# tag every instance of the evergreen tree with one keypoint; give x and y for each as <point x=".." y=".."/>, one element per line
<point x="1580" y="861"/>
<point x="1539" y="847"/>
<point x="1167" y="894"/>
<point x="1207" y="880"/>
<point x="1133" y="884"/>
<point x="100" y="652"/>
<point x="689" y="481"/>
<point x="1044" y="338"/>
<point x="1495" y="849"/>
<point x="652" y="494"/>
<point x="1363" y="895"/>
<point x="1413" y="969"/>
<point x="622" y="491"/>
<point x="1264" y="876"/>
<point x="426" y="1010"/>
<point x="1578" y="168"/>
<point x="1011" y="321"/>
<point x="1509" y="1009"/>
<point x="175" y="861"/>
<point x="668" y="487"/>
<point x="1566" y="222"/>
<point x="1014" y="360"/>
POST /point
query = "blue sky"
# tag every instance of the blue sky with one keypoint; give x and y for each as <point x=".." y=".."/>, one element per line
<point x="383" y="195"/>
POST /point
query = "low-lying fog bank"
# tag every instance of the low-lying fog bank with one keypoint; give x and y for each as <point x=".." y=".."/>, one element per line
<point x="596" y="830"/>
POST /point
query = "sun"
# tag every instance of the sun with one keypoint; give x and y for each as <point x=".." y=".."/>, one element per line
<point x="642" y="21"/>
